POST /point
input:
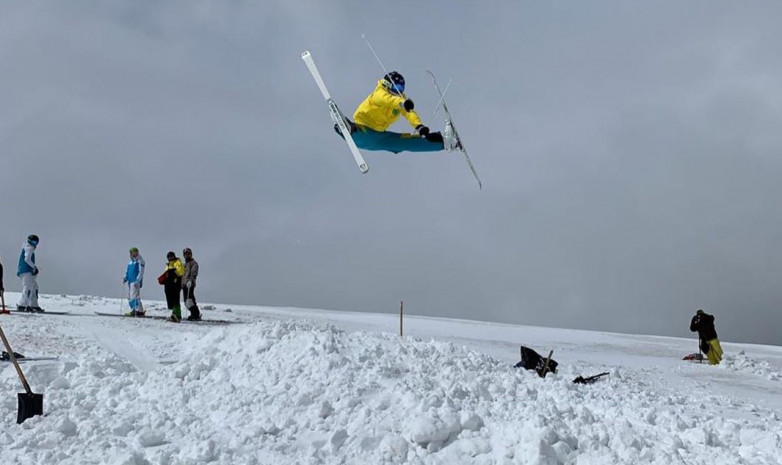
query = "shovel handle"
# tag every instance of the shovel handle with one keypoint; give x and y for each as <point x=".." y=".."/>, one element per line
<point x="16" y="363"/>
<point x="545" y="367"/>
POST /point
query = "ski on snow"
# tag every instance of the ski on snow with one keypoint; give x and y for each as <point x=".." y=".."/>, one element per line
<point x="45" y="312"/>
<point x="165" y="318"/>
<point x="455" y="132"/>
<point x="336" y="114"/>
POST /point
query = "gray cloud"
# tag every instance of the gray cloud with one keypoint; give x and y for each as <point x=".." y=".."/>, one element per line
<point x="630" y="155"/>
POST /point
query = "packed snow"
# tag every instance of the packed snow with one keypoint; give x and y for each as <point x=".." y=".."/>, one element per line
<point x="287" y="385"/>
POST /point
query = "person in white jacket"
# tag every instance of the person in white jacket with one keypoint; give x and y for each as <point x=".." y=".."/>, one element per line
<point x="28" y="271"/>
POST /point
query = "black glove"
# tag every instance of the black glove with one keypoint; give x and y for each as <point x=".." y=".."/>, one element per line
<point x="408" y="105"/>
<point x="35" y="271"/>
<point x="423" y="131"/>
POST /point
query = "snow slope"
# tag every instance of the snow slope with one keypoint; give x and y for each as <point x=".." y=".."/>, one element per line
<point x="312" y="386"/>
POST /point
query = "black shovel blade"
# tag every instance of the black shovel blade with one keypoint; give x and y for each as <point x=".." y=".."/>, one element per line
<point x="30" y="405"/>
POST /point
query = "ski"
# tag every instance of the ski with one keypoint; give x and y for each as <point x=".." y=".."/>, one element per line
<point x="45" y="312"/>
<point x="165" y="318"/>
<point x="336" y="114"/>
<point x="455" y="132"/>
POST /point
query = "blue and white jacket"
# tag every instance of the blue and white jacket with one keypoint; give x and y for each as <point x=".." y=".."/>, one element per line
<point x="135" y="270"/>
<point x="26" y="259"/>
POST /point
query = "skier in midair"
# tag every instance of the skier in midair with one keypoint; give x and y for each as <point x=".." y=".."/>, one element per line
<point x="381" y="109"/>
<point x="189" y="285"/>
<point x="134" y="278"/>
<point x="28" y="271"/>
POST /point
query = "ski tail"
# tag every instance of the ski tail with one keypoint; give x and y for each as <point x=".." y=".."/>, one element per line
<point x="336" y="114"/>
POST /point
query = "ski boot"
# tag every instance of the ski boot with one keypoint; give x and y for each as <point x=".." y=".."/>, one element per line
<point x="350" y="125"/>
<point x="195" y="314"/>
<point x="37" y="310"/>
<point x="176" y="315"/>
<point x="450" y="141"/>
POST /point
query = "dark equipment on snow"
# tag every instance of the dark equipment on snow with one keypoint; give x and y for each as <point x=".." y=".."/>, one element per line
<point x="5" y="356"/>
<point x="589" y="380"/>
<point x="30" y="404"/>
<point x="694" y="357"/>
<point x="531" y="360"/>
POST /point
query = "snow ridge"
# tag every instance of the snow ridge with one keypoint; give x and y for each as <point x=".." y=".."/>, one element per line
<point x="295" y="391"/>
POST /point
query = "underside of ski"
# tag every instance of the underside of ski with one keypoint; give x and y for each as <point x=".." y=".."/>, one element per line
<point x="335" y="112"/>
<point x="455" y="132"/>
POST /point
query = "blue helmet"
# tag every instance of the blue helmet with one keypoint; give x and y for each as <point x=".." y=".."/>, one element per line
<point x="394" y="82"/>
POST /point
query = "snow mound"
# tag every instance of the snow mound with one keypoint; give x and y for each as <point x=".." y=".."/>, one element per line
<point x="742" y="362"/>
<point x="296" y="392"/>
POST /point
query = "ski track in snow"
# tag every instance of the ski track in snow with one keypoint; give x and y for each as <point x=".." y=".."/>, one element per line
<point x="309" y="386"/>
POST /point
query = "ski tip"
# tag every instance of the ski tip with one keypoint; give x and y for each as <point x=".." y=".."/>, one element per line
<point x="364" y="169"/>
<point x="305" y="54"/>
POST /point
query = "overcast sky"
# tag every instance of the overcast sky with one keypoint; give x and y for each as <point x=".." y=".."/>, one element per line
<point x="631" y="156"/>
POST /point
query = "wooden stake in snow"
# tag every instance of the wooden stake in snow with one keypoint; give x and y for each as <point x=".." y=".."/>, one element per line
<point x="401" y="317"/>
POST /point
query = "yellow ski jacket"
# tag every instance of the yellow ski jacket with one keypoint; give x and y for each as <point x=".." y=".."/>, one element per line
<point x="177" y="266"/>
<point x="382" y="108"/>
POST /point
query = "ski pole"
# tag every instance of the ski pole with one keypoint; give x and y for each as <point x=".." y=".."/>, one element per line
<point x="122" y="297"/>
<point x="700" y="355"/>
<point x="439" y="102"/>
<point x="363" y="36"/>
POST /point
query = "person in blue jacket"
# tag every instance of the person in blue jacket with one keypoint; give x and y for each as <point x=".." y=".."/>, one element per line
<point x="28" y="271"/>
<point x="134" y="278"/>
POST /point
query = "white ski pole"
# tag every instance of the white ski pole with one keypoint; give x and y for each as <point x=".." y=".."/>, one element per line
<point x="363" y="36"/>
<point x="122" y="297"/>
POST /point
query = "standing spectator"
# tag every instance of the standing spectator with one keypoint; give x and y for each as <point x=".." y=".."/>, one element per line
<point x="2" y="290"/>
<point x="703" y="323"/>
<point x="171" y="279"/>
<point x="134" y="278"/>
<point x="28" y="271"/>
<point x="189" y="284"/>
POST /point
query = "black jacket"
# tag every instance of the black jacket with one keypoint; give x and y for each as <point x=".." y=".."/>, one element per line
<point x="704" y="324"/>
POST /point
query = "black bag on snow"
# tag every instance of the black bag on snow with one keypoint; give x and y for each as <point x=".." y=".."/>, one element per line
<point x="531" y="360"/>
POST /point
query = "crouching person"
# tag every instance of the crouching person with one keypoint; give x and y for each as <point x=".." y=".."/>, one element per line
<point x="703" y="323"/>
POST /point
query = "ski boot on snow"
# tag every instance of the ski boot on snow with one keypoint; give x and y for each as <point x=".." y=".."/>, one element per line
<point x="37" y="310"/>
<point x="135" y="313"/>
<point x="176" y="315"/>
<point x="195" y="314"/>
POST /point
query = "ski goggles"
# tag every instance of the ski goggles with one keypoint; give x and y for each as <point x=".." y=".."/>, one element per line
<point x="397" y="88"/>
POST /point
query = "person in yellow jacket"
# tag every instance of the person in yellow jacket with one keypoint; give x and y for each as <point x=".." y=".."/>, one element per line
<point x="172" y="285"/>
<point x="381" y="109"/>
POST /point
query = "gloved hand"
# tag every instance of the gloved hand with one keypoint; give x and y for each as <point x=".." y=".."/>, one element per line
<point x="35" y="271"/>
<point x="408" y="105"/>
<point x="189" y="283"/>
<point x="140" y="283"/>
<point x="124" y="280"/>
<point x="423" y="131"/>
